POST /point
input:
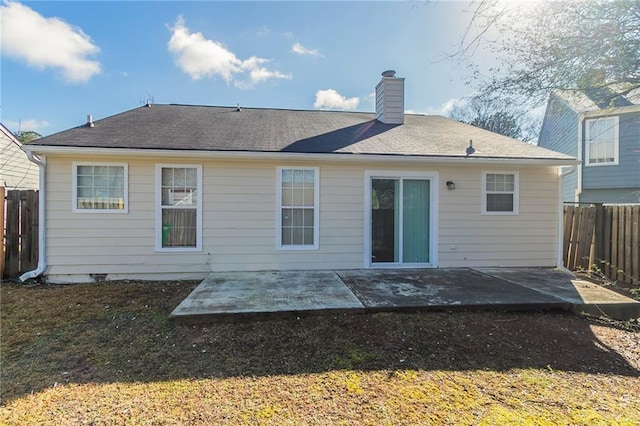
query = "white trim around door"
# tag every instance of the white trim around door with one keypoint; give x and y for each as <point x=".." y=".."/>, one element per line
<point x="401" y="176"/>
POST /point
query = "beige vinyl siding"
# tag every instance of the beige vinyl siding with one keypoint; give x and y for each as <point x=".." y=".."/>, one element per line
<point x="16" y="171"/>
<point x="108" y="243"/>
<point x="468" y="238"/>
<point x="239" y="221"/>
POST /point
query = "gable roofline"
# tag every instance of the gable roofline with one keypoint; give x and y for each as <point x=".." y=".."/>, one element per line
<point x="300" y="156"/>
<point x="10" y="135"/>
<point x="555" y="94"/>
<point x="584" y="103"/>
<point x="547" y="109"/>
<point x="612" y="111"/>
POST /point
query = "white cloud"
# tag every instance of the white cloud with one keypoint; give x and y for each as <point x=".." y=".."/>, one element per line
<point x="28" y="124"/>
<point x="330" y="99"/>
<point x="260" y="74"/>
<point x="47" y="43"/>
<point x="446" y="107"/>
<point x="301" y="50"/>
<point x="263" y="31"/>
<point x="200" y="58"/>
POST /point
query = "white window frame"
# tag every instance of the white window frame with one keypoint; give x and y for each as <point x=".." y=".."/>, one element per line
<point x="516" y="193"/>
<point x="616" y="142"/>
<point x="433" y="178"/>
<point x="158" y="202"/>
<point x="74" y="188"/>
<point x="316" y="209"/>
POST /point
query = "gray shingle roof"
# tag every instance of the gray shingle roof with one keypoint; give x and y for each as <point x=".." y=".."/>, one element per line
<point x="599" y="98"/>
<point x="206" y="128"/>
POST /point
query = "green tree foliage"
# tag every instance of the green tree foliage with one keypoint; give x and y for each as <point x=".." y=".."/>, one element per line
<point x="570" y="45"/>
<point x="26" y="136"/>
<point x="497" y="116"/>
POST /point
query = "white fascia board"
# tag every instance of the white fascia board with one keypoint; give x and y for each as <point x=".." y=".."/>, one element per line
<point x="338" y="157"/>
<point x="612" y="111"/>
<point x="10" y="135"/>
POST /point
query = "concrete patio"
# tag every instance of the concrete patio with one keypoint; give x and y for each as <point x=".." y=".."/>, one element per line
<point x="227" y="295"/>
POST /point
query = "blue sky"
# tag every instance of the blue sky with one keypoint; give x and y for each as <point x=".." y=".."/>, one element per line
<point x="64" y="60"/>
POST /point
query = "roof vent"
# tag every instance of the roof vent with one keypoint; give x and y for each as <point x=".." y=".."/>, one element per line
<point x="238" y="109"/>
<point x="470" y="149"/>
<point x="389" y="73"/>
<point x="90" y="121"/>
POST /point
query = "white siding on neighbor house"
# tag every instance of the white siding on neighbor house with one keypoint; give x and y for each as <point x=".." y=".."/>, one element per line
<point x="16" y="171"/>
<point x="239" y="221"/>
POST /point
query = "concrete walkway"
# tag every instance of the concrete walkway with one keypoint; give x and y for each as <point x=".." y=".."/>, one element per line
<point x="238" y="294"/>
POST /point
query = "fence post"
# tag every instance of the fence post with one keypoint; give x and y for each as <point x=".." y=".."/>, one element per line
<point x="585" y="237"/>
<point x="12" y="259"/>
<point x="598" y="237"/>
<point x="635" y="245"/>
<point x="608" y="229"/>
<point x="2" y="204"/>
<point x="621" y="244"/>
<point x="29" y="230"/>
<point x="568" y="228"/>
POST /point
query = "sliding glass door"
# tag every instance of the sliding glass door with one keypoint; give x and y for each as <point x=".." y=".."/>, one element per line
<point x="400" y="220"/>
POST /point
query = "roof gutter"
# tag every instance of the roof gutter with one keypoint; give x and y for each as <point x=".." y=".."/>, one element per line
<point x="42" y="265"/>
<point x="297" y="156"/>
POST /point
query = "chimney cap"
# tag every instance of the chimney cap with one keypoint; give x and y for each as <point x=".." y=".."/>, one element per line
<point x="389" y="73"/>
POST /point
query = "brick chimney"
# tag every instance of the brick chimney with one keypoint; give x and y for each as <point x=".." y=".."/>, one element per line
<point x="390" y="99"/>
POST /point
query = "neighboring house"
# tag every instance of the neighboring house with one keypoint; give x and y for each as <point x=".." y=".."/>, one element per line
<point x="602" y="130"/>
<point x="177" y="191"/>
<point x="16" y="171"/>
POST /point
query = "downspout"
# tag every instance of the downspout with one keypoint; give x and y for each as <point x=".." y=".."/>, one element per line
<point x="560" y="244"/>
<point x="42" y="265"/>
<point x="578" y="191"/>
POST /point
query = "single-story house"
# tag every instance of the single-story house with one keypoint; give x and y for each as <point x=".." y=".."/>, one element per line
<point x="178" y="191"/>
<point x="16" y="171"/>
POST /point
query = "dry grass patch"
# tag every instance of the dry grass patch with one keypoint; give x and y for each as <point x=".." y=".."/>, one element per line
<point x="106" y="354"/>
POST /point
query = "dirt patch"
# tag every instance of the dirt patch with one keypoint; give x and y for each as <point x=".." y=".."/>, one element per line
<point x="70" y="350"/>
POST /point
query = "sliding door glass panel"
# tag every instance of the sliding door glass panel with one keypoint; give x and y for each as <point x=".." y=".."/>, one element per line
<point x="415" y="221"/>
<point x="385" y="220"/>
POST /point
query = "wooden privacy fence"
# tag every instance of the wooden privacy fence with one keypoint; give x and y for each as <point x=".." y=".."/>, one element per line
<point x="19" y="217"/>
<point x="605" y="237"/>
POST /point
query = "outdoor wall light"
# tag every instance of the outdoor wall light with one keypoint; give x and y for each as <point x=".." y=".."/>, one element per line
<point x="451" y="185"/>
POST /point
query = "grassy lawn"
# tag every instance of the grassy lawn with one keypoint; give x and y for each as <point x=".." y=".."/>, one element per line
<point x="106" y="354"/>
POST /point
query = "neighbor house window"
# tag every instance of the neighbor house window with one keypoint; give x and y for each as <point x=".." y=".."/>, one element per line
<point x="100" y="188"/>
<point x="500" y="193"/>
<point x="298" y="195"/>
<point x="179" y="194"/>
<point x="601" y="137"/>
